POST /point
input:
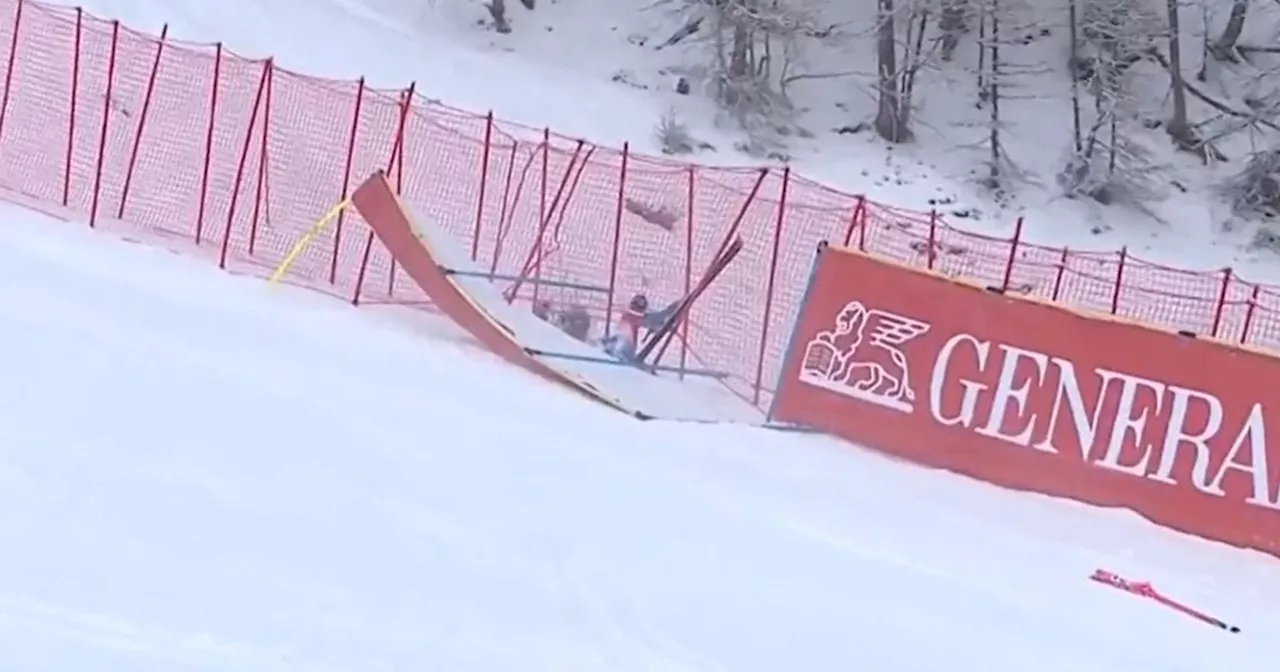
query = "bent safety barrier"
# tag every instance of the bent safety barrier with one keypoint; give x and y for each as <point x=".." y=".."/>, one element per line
<point x="470" y="299"/>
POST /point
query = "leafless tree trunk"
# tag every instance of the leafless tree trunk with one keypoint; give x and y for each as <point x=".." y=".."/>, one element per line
<point x="1179" y="128"/>
<point x="1075" y="81"/>
<point x="914" y="61"/>
<point x="498" y="10"/>
<point x="738" y="59"/>
<point x="890" y="120"/>
<point x="953" y="23"/>
<point x="1225" y="48"/>
<point x="993" y="95"/>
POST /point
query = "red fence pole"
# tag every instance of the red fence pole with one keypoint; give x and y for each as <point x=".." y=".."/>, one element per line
<point x="244" y="158"/>
<point x="933" y="239"/>
<point x="1062" y="268"/>
<point x="773" y="274"/>
<point x="854" y="218"/>
<point x="1248" y="314"/>
<point x="404" y="135"/>
<point x="364" y="264"/>
<point x="861" y="214"/>
<point x="394" y="162"/>
<point x="573" y="188"/>
<point x="1115" y="294"/>
<point x="71" y="115"/>
<point x="8" y="71"/>
<point x="397" y="146"/>
<point x="106" y="118"/>
<point x="208" y="141"/>
<point x="688" y="268"/>
<point x="142" y="120"/>
<point x="542" y="211"/>
<point x="262" y="157"/>
<point x="1013" y="255"/>
<point x="617" y="239"/>
<point x="346" y="180"/>
<point x="729" y="236"/>
<point x="484" y="181"/>
<point x="1222" y="301"/>
<point x="533" y="262"/>
<point x="508" y="208"/>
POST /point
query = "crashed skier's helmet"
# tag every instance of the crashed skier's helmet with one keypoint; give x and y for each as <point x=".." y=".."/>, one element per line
<point x="639" y="304"/>
<point x="542" y="309"/>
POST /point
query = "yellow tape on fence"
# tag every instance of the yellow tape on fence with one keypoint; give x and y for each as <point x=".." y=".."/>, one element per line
<point x="306" y="238"/>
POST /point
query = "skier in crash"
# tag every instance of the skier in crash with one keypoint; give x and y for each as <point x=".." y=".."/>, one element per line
<point x="636" y="322"/>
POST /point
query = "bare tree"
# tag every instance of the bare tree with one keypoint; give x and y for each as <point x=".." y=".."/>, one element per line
<point x="992" y="94"/>
<point x="1107" y="162"/>
<point x="1224" y="48"/>
<point x="1003" y="27"/>
<point x="1073" y="17"/>
<point x="1179" y="128"/>
<point x="895" y="74"/>
<point x="953" y="21"/>
<point x="891" y="117"/>
<point x="498" y="12"/>
<point x="754" y="46"/>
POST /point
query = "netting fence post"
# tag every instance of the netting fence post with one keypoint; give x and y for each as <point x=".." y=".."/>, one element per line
<point x="346" y="180"/>
<point x="508" y="207"/>
<point x="8" y="70"/>
<point x="617" y="239"/>
<point x="688" y="266"/>
<point x="860" y="214"/>
<point x="208" y="142"/>
<point x="484" y="182"/>
<point x="244" y="158"/>
<point x="142" y="121"/>
<point x="1013" y="256"/>
<point x="769" y="287"/>
<point x="1115" y="294"/>
<point x="364" y="265"/>
<point x="542" y="214"/>
<point x="533" y="262"/>
<point x="1248" y="314"/>
<point x="106" y="120"/>
<point x="261" y="188"/>
<point x="932" y="243"/>
<point x="1062" y="269"/>
<point x="1222" y="302"/>
<point x="71" y="114"/>
<point x="854" y="218"/>
<point x="396" y="160"/>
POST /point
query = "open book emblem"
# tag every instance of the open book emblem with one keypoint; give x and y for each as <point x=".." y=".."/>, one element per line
<point x="859" y="356"/>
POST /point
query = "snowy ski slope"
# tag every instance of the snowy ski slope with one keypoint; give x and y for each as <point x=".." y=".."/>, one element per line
<point x="200" y="472"/>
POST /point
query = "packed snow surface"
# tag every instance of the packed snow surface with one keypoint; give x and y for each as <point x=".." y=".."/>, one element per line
<point x="203" y="472"/>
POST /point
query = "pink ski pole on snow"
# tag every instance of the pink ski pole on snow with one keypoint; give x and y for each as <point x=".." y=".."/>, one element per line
<point x="1145" y="589"/>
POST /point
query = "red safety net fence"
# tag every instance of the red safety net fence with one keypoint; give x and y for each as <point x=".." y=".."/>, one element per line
<point x="240" y="157"/>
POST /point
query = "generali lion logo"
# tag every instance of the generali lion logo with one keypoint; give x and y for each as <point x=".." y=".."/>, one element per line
<point x="860" y="356"/>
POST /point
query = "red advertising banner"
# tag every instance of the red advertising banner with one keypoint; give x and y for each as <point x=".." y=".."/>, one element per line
<point x="1033" y="396"/>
